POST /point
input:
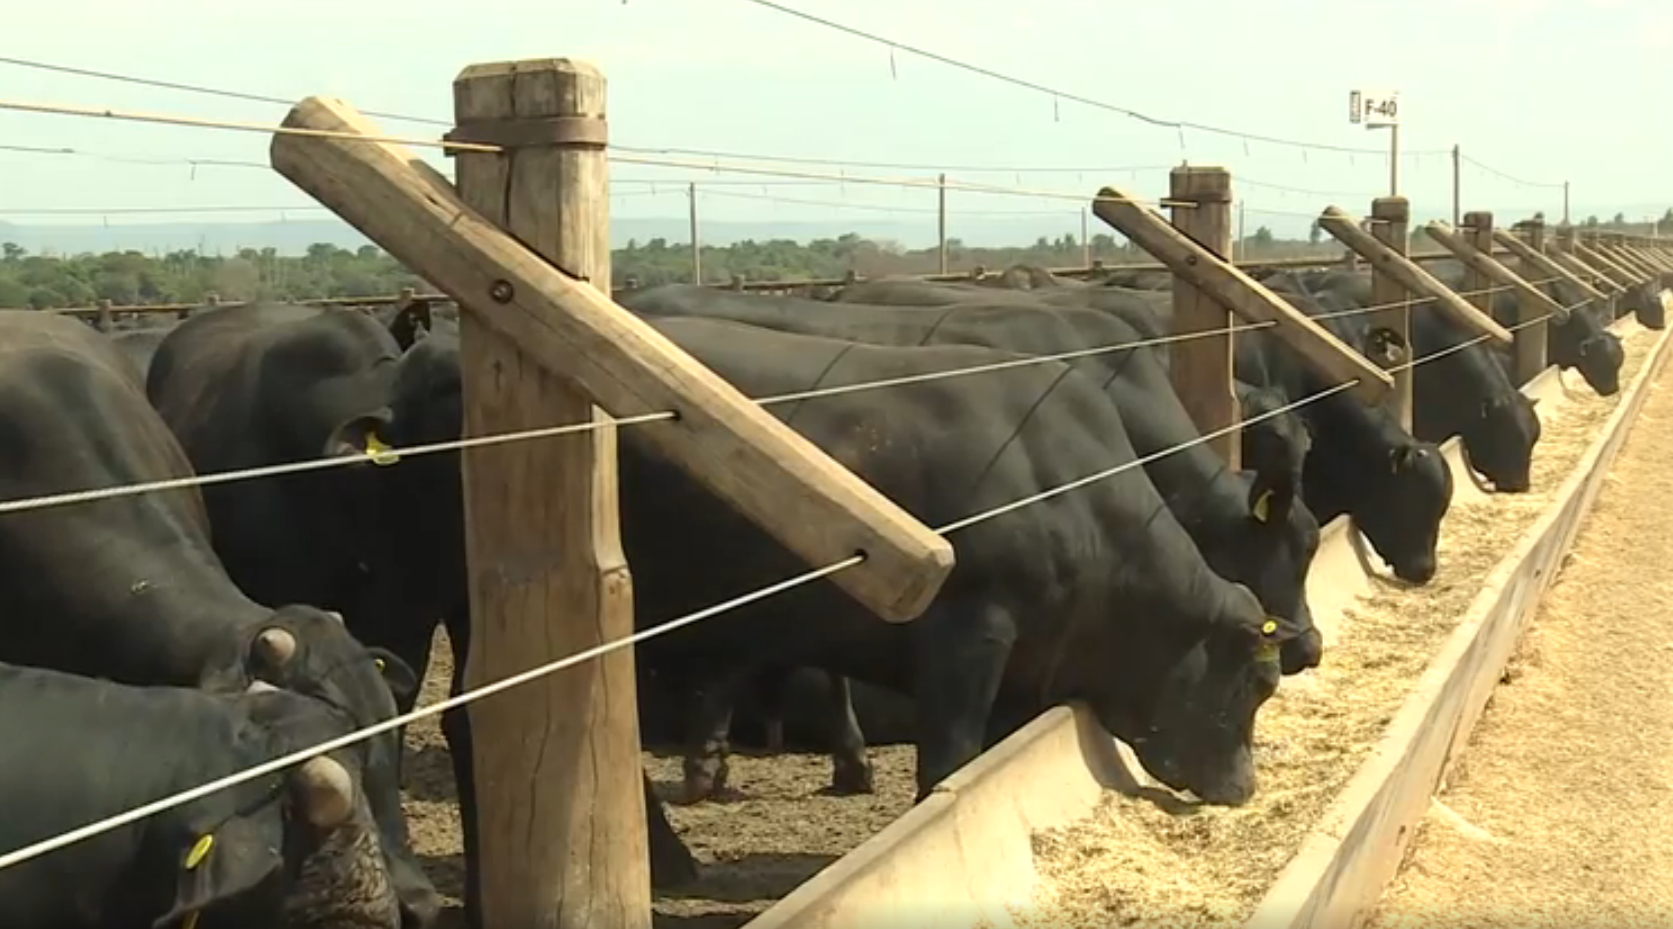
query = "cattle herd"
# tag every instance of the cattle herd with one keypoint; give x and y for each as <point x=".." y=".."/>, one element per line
<point x="211" y="628"/>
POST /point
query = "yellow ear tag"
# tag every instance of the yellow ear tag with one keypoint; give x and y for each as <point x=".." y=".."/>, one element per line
<point x="200" y="851"/>
<point x="378" y="662"/>
<point x="1263" y="506"/>
<point x="1267" y="652"/>
<point x="378" y="451"/>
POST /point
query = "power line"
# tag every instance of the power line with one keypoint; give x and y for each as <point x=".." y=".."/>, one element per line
<point x="193" y="88"/>
<point x="838" y="204"/>
<point x="792" y="159"/>
<point x="1508" y="177"/>
<point x="1176" y="124"/>
<point x="131" y="159"/>
<point x="137" y="210"/>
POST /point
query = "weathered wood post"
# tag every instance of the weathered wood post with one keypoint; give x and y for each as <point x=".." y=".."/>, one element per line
<point x="105" y="317"/>
<point x="1529" y="354"/>
<point x="1392" y="226"/>
<point x="560" y="815"/>
<point x="1478" y="229"/>
<point x="1202" y="368"/>
<point x="1528" y="343"/>
<point x="1484" y="272"/>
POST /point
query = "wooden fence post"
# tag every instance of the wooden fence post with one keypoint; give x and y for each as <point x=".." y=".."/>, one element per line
<point x="561" y="816"/>
<point x="1392" y="225"/>
<point x="1529" y="354"/>
<point x="105" y="317"/>
<point x="1202" y="368"/>
<point x="1478" y="232"/>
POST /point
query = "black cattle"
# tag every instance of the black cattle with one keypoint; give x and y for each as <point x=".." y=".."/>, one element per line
<point x="1644" y="302"/>
<point x="264" y="384"/>
<point x="1579" y="342"/>
<point x="1458" y="388"/>
<point x="128" y="588"/>
<point x="1095" y="594"/>
<point x="1249" y="530"/>
<point x="259" y="385"/>
<point x="1269" y="446"/>
<point x="1361" y="462"/>
<point x="298" y="849"/>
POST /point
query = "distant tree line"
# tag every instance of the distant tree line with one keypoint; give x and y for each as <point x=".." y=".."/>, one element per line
<point x="324" y="270"/>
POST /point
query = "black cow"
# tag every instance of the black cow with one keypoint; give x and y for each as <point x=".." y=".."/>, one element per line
<point x="1644" y="302"/>
<point x="1579" y="342"/>
<point x="1095" y="594"/>
<point x="297" y="849"/>
<point x="1359" y="462"/>
<point x="1458" y="389"/>
<point x="1270" y="446"/>
<point x="1247" y="529"/>
<point x="265" y="384"/>
<point x="128" y="588"/>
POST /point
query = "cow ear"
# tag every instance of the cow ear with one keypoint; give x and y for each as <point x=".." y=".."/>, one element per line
<point x="402" y="680"/>
<point x="234" y="858"/>
<point x="1267" y="503"/>
<point x="358" y="435"/>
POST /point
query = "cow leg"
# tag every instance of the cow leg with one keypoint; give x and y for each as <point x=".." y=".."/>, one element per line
<point x="771" y="687"/>
<point x="709" y="730"/>
<point x="960" y="666"/>
<point x="456" y="728"/>
<point x="850" y="768"/>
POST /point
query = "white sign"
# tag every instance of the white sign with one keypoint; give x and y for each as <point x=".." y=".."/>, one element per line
<point x="1375" y="109"/>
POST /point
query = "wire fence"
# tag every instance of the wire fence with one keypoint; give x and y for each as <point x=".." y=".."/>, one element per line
<point x="734" y="165"/>
<point x="392" y="456"/>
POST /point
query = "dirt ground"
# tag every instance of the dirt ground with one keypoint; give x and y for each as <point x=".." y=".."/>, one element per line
<point x="1560" y="809"/>
<point x="774" y="829"/>
<point x="1140" y="862"/>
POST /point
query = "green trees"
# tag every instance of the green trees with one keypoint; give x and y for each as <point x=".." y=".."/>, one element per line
<point x="324" y="270"/>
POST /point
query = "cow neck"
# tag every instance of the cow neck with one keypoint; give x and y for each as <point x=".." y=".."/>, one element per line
<point x="195" y="610"/>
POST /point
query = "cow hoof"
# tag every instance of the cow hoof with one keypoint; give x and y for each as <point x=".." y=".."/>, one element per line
<point x="849" y="779"/>
<point x="701" y="783"/>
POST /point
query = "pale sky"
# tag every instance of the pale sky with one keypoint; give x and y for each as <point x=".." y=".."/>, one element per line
<point x="1544" y="90"/>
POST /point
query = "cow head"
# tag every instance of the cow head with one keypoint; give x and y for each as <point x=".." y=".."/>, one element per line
<point x="307" y="839"/>
<point x="1269" y="549"/>
<point x="309" y="651"/>
<point x="1401" y="508"/>
<point x="1201" y="734"/>
<point x="1600" y="360"/>
<point x="1499" y="440"/>
<point x="1645" y="303"/>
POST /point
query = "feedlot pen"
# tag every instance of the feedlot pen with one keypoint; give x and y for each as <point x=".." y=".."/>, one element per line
<point x="1559" y="812"/>
<point x="1578" y="710"/>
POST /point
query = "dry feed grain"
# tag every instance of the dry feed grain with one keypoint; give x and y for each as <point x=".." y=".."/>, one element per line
<point x="1132" y="863"/>
<point x="1559" y="810"/>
